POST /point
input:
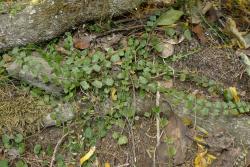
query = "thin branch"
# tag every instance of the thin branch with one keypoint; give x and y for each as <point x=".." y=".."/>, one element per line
<point x="56" y="149"/>
<point x="120" y="30"/>
<point x="158" y="119"/>
<point x="158" y="135"/>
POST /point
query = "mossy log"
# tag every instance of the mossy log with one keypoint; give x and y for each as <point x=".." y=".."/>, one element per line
<point x="27" y="21"/>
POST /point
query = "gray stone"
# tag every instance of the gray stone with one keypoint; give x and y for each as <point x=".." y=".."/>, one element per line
<point x="33" y="71"/>
<point x="63" y="113"/>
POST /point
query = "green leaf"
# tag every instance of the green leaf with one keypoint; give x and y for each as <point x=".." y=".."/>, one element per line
<point x="96" y="68"/>
<point x="171" y="151"/>
<point x="170" y="31"/>
<point x="169" y="17"/>
<point x="87" y="69"/>
<point x="150" y="23"/>
<point x="120" y="123"/>
<point x="107" y="64"/>
<point x="156" y="110"/>
<point x="122" y="140"/>
<point x="15" y="51"/>
<point x="6" y="141"/>
<point x="115" y="135"/>
<point x="183" y="77"/>
<point x="4" y="163"/>
<point x="21" y="148"/>
<point x="147" y="114"/>
<point x="37" y="149"/>
<point x="84" y="85"/>
<point x="21" y="163"/>
<point x="128" y="113"/>
<point x="121" y="75"/>
<point x="88" y="133"/>
<point x="95" y="57"/>
<point x="97" y="84"/>
<point x="152" y="87"/>
<point x="115" y="58"/>
<point x="68" y="42"/>
<point x="130" y="42"/>
<point x="187" y="34"/>
<point x="152" y="18"/>
<point x="109" y="81"/>
<point x="205" y="111"/>
<point x="49" y="150"/>
<point x="19" y="138"/>
<point x="143" y="80"/>
<point x="158" y="47"/>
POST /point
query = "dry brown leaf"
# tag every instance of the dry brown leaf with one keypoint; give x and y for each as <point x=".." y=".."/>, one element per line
<point x="213" y="15"/>
<point x="232" y="30"/>
<point x="61" y="50"/>
<point x="88" y="155"/>
<point x="107" y="164"/>
<point x="82" y="43"/>
<point x="200" y="159"/>
<point x="113" y="94"/>
<point x="234" y="93"/>
<point x="7" y="58"/>
<point x="187" y="121"/>
<point x="203" y="159"/>
<point x="198" y="30"/>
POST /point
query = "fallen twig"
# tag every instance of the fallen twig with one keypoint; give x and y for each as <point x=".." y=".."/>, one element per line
<point x="133" y="140"/>
<point x="127" y="164"/>
<point x="119" y="30"/>
<point x="56" y="149"/>
<point x="158" y="135"/>
<point x="158" y="119"/>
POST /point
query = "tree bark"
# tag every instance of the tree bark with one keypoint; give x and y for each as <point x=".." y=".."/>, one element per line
<point x="47" y="19"/>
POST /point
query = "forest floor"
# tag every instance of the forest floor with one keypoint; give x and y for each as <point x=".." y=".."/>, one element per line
<point x="202" y="82"/>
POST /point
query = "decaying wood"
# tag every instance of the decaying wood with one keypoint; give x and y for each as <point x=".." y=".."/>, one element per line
<point x="49" y="18"/>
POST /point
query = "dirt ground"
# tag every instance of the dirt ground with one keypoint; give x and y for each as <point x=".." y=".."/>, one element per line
<point x="220" y="64"/>
<point x="215" y="63"/>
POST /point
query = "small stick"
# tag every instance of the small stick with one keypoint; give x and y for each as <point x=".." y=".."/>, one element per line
<point x="119" y="30"/>
<point x="133" y="140"/>
<point x="158" y="135"/>
<point x="56" y="149"/>
<point x="127" y="164"/>
<point x="158" y="119"/>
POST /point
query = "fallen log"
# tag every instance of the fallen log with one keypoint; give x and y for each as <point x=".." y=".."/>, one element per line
<point x="44" y="20"/>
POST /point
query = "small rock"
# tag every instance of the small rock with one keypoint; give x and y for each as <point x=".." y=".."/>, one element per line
<point x="63" y="113"/>
<point x="175" y="41"/>
<point x="33" y="72"/>
<point x="168" y="50"/>
<point x="13" y="153"/>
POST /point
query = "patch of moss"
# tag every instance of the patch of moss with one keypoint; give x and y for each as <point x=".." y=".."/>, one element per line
<point x="20" y="111"/>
